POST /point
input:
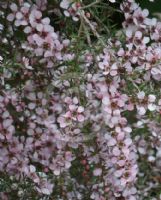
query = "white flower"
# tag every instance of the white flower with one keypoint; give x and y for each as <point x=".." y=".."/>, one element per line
<point x="141" y="95"/>
<point x="111" y="142"/>
<point x="151" y="98"/>
<point x="112" y="1"/>
<point x="10" y="17"/>
<point x="57" y="172"/>
<point x="152" y="107"/>
<point x="46" y="191"/>
<point x="32" y="168"/>
<point x="65" y="4"/>
<point x="141" y="110"/>
<point x="13" y="7"/>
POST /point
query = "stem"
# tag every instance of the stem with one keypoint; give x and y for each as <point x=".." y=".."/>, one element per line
<point x="134" y="84"/>
<point x="90" y="5"/>
<point x="92" y="27"/>
<point x="87" y="33"/>
<point x="80" y="29"/>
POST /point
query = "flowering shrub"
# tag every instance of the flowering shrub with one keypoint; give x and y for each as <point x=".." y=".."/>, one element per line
<point x="80" y="101"/>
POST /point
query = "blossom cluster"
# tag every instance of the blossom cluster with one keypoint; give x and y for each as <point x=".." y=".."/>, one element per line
<point x="42" y="40"/>
<point x="79" y="122"/>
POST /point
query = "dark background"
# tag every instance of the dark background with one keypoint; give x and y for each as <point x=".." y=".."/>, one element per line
<point x="153" y="7"/>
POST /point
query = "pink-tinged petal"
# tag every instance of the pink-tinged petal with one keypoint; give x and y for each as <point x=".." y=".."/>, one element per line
<point x="10" y="17"/>
<point x="155" y="71"/>
<point x="67" y="114"/>
<point x="67" y="165"/>
<point x="111" y="142"/>
<point x="101" y="65"/>
<point x="127" y="129"/>
<point x="126" y="151"/>
<point x="54" y="35"/>
<point x="151" y="98"/>
<point x="30" y="39"/>
<point x="13" y="7"/>
<point x="45" y="191"/>
<point x="39" y="41"/>
<point x="19" y="15"/>
<point x="48" y="54"/>
<point x="108" y="111"/>
<point x="39" y="27"/>
<point x="121" y="52"/>
<point x="75" y="100"/>
<point x="119" y="173"/>
<point x="68" y="100"/>
<point x="64" y="4"/>
<point x="66" y="42"/>
<point x="121" y="163"/>
<point x="39" y="51"/>
<point x="114" y="120"/>
<point x="121" y="102"/>
<point x="17" y="22"/>
<point x="128" y="141"/>
<point x="80" y="118"/>
<point x="24" y="10"/>
<point x="6" y="123"/>
<point x="32" y="168"/>
<point x="57" y="172"/>
<point x="97" y="172"/>
<point x="152" y="107"/>
<point x="37" y="14"/>
<point x="72" y="107"/>
<point x="123" y="181"/>
<point x="62" y="122"/>
<point x="2" y="137"/>
<point x="129" y="33"/>
<point x="113" y="72"/>
<point x="114" y="160"/>
<point x="106" y="100"/>
<point x="46" y="20"/>
<point x="80" y="109"/>
<point x="145" y="12"/>
<point x="141" y="110"/>
<point x="27" y="29"/>
<point x="146" y="40"/>
<point x="138" y="34"/>
<point x="130" y="106"/>
<point x="141" y="95"/>
<point x="31" y="106"/>
<point x="116" y="151"/>
<point x="120" y="136"/>
<point x="116" y="112"/>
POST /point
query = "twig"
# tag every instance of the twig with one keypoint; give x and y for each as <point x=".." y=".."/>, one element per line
<point x="87" y="33"/>
<point x="80" y="29"/>
<point x="90" y="5"/>
<point x="134" y="84"/>
<point x="91" y="27"/>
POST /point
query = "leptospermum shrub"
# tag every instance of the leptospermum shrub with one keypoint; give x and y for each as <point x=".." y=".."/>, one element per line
<point x="80" y="101"/>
